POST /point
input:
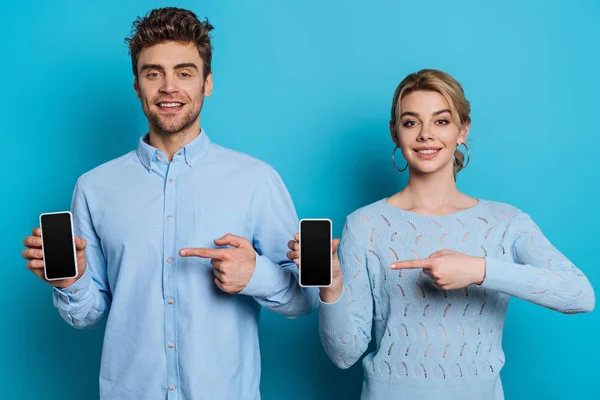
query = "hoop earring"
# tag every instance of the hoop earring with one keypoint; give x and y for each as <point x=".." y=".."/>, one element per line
<point x="468" y="155"/>
<point x="394" y="160"/>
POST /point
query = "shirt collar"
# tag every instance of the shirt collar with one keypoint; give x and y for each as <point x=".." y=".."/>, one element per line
<point x="191" y="152"/>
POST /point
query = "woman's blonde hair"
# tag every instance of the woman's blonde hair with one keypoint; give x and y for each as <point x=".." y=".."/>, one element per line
<point x="441" y="82"/>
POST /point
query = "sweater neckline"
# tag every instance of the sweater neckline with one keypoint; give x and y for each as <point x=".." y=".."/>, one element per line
<point x="400" y="212"/>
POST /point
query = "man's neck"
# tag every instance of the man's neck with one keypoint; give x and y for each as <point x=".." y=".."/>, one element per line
<point x="170" y="143"/>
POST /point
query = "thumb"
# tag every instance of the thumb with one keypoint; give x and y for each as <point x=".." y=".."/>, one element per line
<point x="232" y="240"/>
<point x="334" y="247"/>
<point x="80" y="243"/>
<point x="440" y="253"/>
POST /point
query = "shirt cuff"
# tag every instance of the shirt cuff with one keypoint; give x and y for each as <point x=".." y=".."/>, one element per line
<point x="496" y="272"/>
<point x="334" y="315"/>
<point x="265" y="280"/>
<point x="78" y="288"/>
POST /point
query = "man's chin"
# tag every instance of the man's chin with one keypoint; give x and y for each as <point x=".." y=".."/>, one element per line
<point x="172" y="127"/>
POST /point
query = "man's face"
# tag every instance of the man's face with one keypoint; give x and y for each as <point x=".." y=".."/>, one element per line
<point x="171" y="86"/>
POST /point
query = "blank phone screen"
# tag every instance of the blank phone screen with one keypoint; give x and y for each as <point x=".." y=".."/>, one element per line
<point x="57" y="238"/>
<point x="315" y="253"/>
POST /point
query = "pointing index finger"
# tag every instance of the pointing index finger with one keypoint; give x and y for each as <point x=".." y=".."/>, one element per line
<point x="203" y="253"/>
<point x="410" y="264"/>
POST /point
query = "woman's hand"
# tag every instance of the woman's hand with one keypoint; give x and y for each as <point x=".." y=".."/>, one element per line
<point x="333" y="292"/>
<point x="448" y="269"/>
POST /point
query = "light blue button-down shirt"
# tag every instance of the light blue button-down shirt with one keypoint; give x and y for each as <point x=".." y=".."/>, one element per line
<point x="171" y="333"/>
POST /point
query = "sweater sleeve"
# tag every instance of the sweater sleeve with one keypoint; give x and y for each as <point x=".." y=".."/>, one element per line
<point x="540" y="273"/>
<point x="345" y="325"/>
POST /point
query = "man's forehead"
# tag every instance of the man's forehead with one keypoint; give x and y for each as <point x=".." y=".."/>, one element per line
<point x="170" y="54"/>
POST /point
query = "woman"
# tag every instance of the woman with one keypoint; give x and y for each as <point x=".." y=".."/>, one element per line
<point x="433" y="269"/>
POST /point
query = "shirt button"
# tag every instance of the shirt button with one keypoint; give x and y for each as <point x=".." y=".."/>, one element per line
<point x="159" y="157"/>
<point x="171" y="180"/>
<point x="170" y="301"/>
<point x="170" y="217"/>
<point x="172" y="387"/>
<point x="73" y="291"/>
<point x="171" y="345"/>
<point x="170" y="260"/>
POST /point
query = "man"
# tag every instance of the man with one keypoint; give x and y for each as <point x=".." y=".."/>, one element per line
<point x="155" y="244"/>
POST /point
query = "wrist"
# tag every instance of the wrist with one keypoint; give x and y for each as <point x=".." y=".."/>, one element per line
<point x="480" y="271"/>
<point x="331" y="293"/>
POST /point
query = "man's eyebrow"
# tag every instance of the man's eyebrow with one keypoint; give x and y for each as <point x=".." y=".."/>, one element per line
<point x="152" y="66"/>
<point x="186" y="65"/>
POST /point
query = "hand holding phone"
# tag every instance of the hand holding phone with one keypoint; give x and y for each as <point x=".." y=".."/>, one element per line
<point x="53" y="253"/>
<point x="332" y="292"/>
<point x="317" y="258"/>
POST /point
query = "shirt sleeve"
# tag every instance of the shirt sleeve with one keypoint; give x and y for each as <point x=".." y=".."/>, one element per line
<point x="540" y="273"/>
<point x="85" y="302"/>
<point x="274" y="283"/>
<point x="345" y="325"/>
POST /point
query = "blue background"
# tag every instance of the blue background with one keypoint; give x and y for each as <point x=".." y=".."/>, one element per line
<point x="307" y="87"/>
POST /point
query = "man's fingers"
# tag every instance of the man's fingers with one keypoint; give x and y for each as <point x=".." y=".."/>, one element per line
<point x="297" y="237"/>
<point x="219" y="283"/>
<point x="218" y="274"/>
<point x="32" y="254"/>
<point x="291" y="255"/>
<point x="35" y="264"/>
<point x="36" y="232"/>
<point x="232" y="240"/>
<point x="80" y="243"/>
<point x="32" y="241"/>
<point x="411" y="264"/>
<point x="219" y="254"/>
<point x="216" y="264"/>
<point x="293" y="245"/>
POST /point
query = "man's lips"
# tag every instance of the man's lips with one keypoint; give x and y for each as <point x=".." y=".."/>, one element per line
<point x="170" y="106"/>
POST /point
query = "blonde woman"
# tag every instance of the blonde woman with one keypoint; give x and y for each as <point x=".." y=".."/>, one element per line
<point x="432" y="269"/>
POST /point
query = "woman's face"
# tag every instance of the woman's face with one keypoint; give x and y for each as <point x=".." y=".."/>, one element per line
<point x="426" y="133"/>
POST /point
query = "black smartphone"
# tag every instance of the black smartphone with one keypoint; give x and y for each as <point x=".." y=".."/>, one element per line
<point x="315" y="252"/>
<point x="58" y="245"/>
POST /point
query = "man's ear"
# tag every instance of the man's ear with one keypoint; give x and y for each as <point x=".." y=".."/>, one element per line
<point x="208" y="85"/>
<point x="136" y="87"/>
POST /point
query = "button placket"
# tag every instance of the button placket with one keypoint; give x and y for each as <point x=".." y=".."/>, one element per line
<point x="170" y="272"/>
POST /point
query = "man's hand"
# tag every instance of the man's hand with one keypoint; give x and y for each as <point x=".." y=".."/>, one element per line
<point x="35" y="258"/>
<point x="233" y="267"/>
<point x="448" y="269"/>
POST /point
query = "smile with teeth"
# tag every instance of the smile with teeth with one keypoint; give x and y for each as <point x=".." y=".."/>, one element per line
<point x="170" y="105"/>
<point x="427" y="151"/>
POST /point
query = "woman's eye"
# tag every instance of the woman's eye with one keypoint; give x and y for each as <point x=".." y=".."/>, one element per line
<point x="408" y="124"/>
<point x="443" y="122"/>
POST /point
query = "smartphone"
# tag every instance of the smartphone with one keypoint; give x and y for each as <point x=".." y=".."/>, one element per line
<point x="58" y="245"/>
<point x="315" y="252"/>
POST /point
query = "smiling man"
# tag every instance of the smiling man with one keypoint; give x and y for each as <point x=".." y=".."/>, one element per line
<point x="181" y="241"/>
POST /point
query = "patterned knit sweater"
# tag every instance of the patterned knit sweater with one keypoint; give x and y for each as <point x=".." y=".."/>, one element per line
<point x="431" y="343"/>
